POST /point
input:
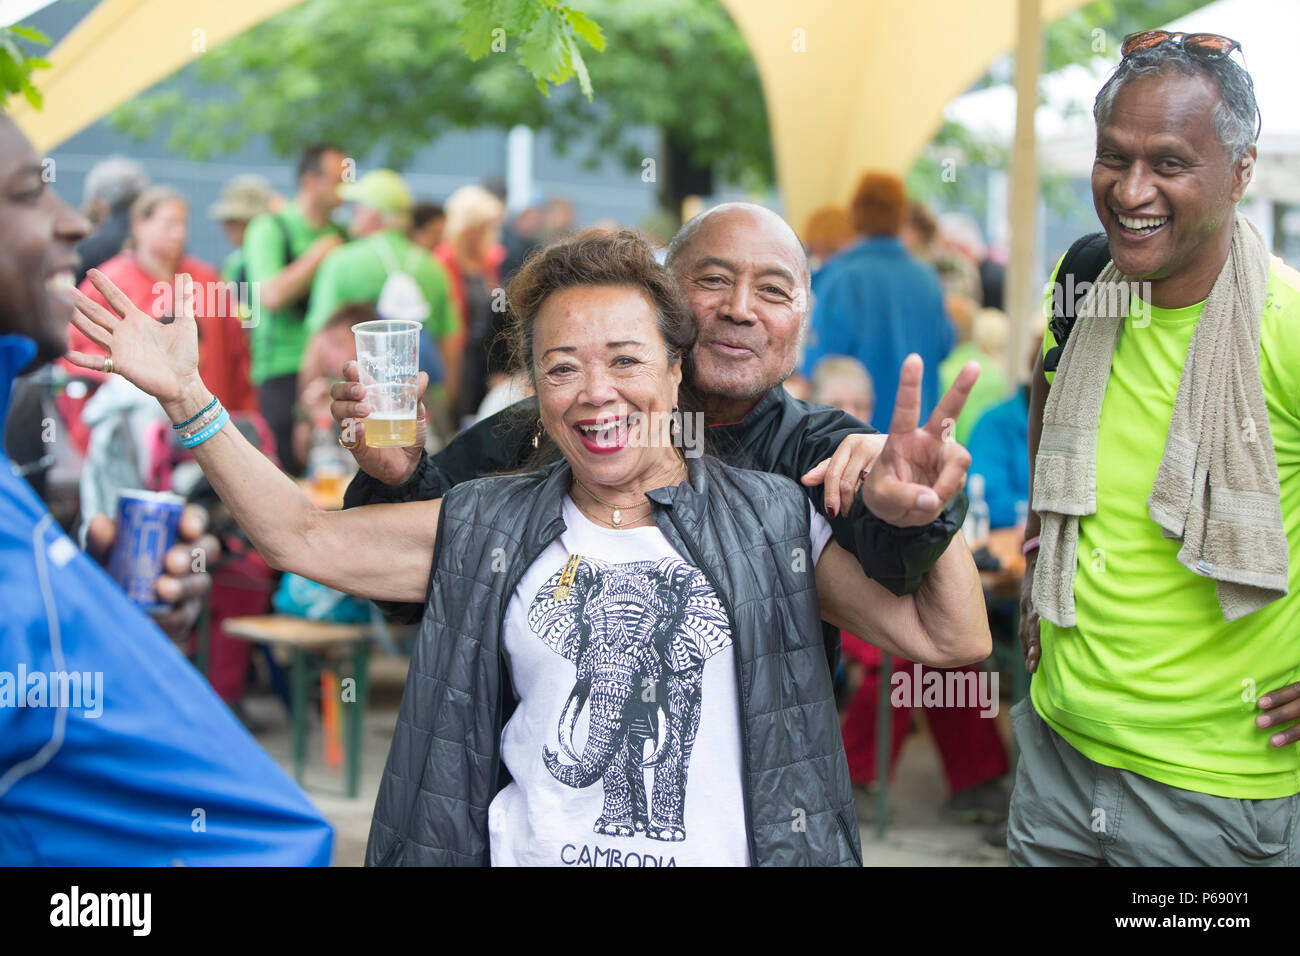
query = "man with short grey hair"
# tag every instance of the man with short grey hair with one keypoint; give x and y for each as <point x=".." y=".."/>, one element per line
<point x="110" y="188"/>
<point x="1163" y="547"/>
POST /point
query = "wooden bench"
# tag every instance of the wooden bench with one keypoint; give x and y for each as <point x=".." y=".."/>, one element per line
<point x="307" y="641"/>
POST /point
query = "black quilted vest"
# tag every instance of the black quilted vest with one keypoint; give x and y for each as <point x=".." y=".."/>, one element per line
<point x="743" y="529"/>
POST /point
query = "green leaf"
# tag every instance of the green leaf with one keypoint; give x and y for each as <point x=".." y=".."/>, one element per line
<point x="542" y="50"/>
<point x="580" y="67"/>
<point x="476" y="26"/>
<point x="16" y="67"/>
<point x="32" y="95"/>
<point x="586" y="28"/>
<point x="29" y="33"/>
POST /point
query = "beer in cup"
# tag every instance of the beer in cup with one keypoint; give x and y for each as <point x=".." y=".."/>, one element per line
<point x="388" y="356"/>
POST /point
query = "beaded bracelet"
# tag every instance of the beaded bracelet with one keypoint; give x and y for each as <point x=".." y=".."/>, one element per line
<point x="195" y="440"/>
<point x="203" y="421"/>
<point x="205" y="410"/>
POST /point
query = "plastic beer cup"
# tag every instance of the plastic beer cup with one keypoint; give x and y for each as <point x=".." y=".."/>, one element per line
<point x="388" y="356"/>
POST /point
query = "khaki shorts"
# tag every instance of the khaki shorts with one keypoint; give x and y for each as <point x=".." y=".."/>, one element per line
<point x="1067" y="810"/>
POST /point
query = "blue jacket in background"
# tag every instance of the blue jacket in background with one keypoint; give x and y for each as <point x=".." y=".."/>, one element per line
<point x="876" y="303"/>
<point x="147" y="768"/>
<point x="999" y="450"/>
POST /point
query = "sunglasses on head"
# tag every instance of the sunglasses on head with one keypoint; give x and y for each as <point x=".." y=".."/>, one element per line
<point x="1209" y="46"/>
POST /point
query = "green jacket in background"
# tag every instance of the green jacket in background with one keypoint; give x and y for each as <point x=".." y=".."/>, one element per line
<point x="278" y="336"/>
<point x="357" y="273"/>
<point x="990" y="388"/>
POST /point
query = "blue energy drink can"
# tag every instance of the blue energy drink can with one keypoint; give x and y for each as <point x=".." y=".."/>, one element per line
<point x="147" y="523"/>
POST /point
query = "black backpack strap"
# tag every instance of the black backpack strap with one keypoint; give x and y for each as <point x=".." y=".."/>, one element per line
<point x="1084" y="261"/>
<point x="303" y="304"/>
<point x="288" y="244"/>
<point x="284" y="237"/>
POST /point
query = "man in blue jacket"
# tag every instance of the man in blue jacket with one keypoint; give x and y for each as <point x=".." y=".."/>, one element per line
<point x="113" y="749"/>
<point x="876" y="303"/>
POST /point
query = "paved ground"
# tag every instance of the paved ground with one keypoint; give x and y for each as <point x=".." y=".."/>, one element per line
<point x="919" y="834"/>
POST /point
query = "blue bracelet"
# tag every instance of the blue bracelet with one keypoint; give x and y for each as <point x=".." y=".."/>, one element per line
<point x="195" y="440"/>
<point x="206" y="409"/>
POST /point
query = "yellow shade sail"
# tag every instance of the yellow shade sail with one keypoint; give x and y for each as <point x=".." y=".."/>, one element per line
<point x="119" y="50"/>
<point x="861" y="84"/>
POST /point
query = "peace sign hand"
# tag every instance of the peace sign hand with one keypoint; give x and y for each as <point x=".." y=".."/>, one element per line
<point x="159" y="359"/>
<point x="920" y="469"/>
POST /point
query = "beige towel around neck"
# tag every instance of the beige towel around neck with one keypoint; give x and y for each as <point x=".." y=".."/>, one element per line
<point x="1217" y="487"/>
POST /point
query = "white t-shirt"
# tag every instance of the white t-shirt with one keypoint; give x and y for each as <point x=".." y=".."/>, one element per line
<point x="625" y="745"/>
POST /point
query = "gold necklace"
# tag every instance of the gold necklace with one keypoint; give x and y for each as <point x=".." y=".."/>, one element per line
<point x="617" y="518"/>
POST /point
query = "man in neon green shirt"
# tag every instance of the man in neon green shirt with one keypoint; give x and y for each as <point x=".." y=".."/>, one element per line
<point x="364" y="270"/>
<point x="282" y="252"/>
<point x="1157" y="732"/>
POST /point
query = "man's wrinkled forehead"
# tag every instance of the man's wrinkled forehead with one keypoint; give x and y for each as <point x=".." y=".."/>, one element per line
<point x="740" y="240"/>
<point x="1170" y="105"/>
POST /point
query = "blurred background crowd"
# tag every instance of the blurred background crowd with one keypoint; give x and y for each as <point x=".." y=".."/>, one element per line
<point x="292" y="243"/>
<point x="321" y="259"/>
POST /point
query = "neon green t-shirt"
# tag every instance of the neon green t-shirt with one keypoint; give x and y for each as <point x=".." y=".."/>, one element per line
<point x="279" y="336"/>
<point x="357" y="272"/>
<point x="1152" y="679"/>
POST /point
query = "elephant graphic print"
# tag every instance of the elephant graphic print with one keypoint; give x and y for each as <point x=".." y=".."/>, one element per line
<point x="638" y="634"/>
<point x="624" y="747"/>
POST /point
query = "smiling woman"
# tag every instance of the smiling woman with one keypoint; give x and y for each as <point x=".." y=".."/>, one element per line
<point x="604" y="385"/>
<point x="616" y="594"/>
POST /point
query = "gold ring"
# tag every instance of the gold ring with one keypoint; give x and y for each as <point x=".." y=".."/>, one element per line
<point x="344" y="444"/>
<point x="108" y="365"/>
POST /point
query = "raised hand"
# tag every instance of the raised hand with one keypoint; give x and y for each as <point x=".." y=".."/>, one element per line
<point x="920" y="469"/>
<point x="392" y="466"/>
<point x="158" y="359"/>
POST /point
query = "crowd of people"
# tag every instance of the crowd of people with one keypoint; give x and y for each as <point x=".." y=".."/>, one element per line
<point x="630" y="651"/>
<point x="932" y="288"/>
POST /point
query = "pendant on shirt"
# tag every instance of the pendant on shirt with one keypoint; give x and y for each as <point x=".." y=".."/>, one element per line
<point x="618" y="517"/>
<point x="561" y="593"/>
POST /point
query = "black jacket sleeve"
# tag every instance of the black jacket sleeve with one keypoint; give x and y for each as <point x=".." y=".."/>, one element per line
<point x="896" y="557"/>
<point x="499" y="443"/>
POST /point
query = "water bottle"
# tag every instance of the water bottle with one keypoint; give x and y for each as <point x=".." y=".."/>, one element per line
<point x="976" y="527"/>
